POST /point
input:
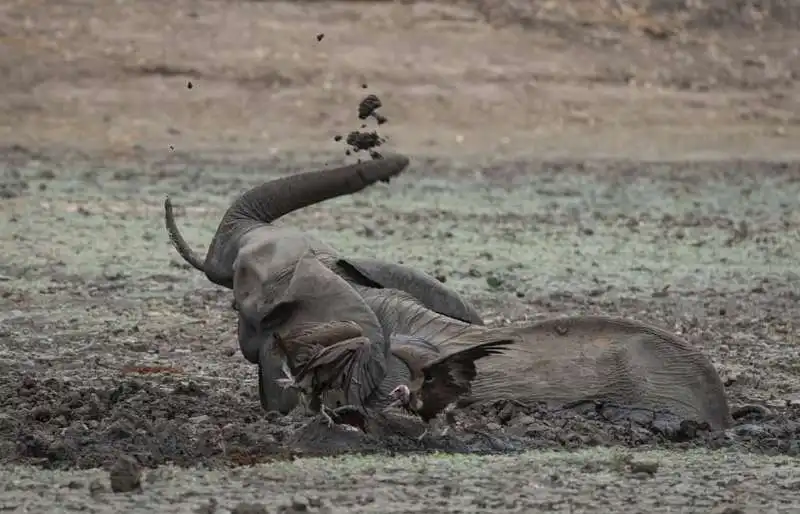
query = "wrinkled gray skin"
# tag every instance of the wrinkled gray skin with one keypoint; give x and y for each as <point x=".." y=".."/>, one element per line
<point x="281" y="277"/>
<point x="564" y="361"/>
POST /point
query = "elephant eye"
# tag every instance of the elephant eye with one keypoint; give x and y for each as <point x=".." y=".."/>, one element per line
<point x="279" y="315"/>
<point x="428" y="378"/>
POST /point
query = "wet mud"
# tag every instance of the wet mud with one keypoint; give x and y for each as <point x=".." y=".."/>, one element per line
<point x="61" y="424"/>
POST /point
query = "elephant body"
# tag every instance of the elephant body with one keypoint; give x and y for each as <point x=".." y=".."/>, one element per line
<point x="567" y="360"/>
<point x="282" y="277"/>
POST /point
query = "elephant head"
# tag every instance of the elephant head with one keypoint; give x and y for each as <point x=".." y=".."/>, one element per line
<point x="281" y="276"/>
<point x="309" y="293"/>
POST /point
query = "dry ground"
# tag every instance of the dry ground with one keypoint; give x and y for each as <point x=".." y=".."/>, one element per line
<point x="622" y="158"/>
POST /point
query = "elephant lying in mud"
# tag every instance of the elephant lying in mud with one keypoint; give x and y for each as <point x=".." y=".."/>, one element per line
<point x="282" y="277"/>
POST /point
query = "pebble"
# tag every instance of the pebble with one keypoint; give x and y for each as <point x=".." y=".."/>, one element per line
<point x="249" y="508"/>
<point x="646" y="467"/>
<point x="125" y="475"/>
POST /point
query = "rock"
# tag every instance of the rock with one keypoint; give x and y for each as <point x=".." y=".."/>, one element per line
<point x="208" y="508"/>
<point x="96" y="488"/>
<point x="125" y="475"/>
<point x="299" y="504"/>
<point x="644" y="466"/>
<point x="507" y="413"/>
<point x="249" y="508"/>
<point x="494" y="282"/>
<point x="74" y="484"/>
<point x="519" y="426"/>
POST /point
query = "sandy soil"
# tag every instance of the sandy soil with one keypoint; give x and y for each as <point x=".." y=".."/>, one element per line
<point x="566" y="158"/>
<point x="600" y="480"/>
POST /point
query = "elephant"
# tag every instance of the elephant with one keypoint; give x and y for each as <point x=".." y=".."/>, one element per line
<point x="282" y="276"/>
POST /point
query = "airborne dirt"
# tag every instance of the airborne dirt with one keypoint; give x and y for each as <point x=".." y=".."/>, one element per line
<point x="110" y="345"/>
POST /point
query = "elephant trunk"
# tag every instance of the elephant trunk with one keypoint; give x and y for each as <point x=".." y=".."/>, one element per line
<point x="273" y="396"/>
<point x="266" y="203"/>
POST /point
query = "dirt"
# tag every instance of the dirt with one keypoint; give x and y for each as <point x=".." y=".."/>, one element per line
<point x="365" y="140"/>
<point x="630" y="161"/>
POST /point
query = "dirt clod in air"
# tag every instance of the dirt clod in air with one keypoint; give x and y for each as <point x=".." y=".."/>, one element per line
<point x="368" y="106"/>
<point x="364" y="140"/>
<point x="189" y="85"/>
<point x="320" y="36"/>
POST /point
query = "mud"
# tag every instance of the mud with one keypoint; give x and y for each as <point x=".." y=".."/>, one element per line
<point x="160" y="422"/>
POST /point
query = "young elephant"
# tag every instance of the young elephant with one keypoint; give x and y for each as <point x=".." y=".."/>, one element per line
<point x="280" y="276"/>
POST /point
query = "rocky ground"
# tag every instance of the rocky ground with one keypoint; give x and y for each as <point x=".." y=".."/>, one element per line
<point x="634" y="162"/>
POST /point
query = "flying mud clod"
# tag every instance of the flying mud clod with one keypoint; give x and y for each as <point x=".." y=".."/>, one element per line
<point x="365" y="140"/>
<point x="369" y="107"/>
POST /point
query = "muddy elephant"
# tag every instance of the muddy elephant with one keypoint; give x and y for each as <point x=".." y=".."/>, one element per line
<point x="283" y="277"/>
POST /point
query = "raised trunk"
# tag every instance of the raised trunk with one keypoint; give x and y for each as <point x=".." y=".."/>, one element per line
<point x="266" y="203"/>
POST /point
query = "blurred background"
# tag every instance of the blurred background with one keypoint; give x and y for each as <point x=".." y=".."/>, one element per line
<point x="644" y="79"/>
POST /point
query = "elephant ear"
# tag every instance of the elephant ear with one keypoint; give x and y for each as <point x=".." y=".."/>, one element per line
<point x="425" y="288"/>
<point x="318" y="295"/>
